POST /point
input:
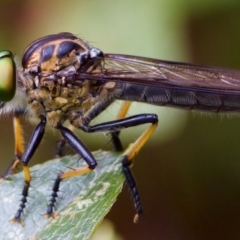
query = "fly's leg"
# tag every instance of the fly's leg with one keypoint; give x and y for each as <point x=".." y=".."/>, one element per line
<point x="82" y="122"/>
<point x="132" y="150"/>
<point x="117" y="145"/>
<point x="82" y="150"/>
<point x="127" y="156"/>
<point x="19" y="149"/>
<point x="61" y="143"/>
<point x="31" y="148"/>
<point x="127" y="159"/>
<point x="77" y="145"/>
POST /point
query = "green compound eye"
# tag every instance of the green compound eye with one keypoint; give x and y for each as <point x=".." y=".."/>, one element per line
<point x="7" y="76"/>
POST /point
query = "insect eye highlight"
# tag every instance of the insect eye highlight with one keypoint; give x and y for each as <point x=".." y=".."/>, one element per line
<point x="95" y="52"/>
<point x="7" y="76"/>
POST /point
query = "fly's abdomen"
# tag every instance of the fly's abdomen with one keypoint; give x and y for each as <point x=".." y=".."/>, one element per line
<point x="204" y="100"/>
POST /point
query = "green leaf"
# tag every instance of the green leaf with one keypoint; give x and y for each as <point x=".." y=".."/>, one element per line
<point x="82" y="203"/>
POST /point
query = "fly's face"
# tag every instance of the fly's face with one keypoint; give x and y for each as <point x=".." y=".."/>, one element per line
<point x="48" y="65"/>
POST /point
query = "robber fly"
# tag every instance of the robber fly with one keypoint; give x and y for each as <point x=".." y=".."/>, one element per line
<point x="63" y="78"/>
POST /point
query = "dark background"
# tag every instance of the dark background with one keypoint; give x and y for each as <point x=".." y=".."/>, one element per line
<point x="188" y="173"/>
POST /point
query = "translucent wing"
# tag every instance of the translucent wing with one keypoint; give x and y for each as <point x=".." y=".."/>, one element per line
<point x="140" y="70"/>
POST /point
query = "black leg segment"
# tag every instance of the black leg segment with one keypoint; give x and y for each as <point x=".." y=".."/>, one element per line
<point x="78" y="146"/>
<point x="35" y="140"/>
<point x="55" y="189"/>
<point x="132" y="187"/>
<point x="116" y="142"/>
<point x="122" y="123"/>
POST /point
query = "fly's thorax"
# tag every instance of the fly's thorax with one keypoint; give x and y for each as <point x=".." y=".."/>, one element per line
<point x="51" y="54"/>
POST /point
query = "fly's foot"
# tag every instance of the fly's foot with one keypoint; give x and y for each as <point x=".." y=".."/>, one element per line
<point x="50" y="214"/>
<point x="22" y="205"/>
<point x="50" y="210"/>
<point x="18" y="219"/>
<point x="136" y="218"/>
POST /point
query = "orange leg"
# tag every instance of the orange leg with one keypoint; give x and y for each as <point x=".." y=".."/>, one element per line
<point x="117" y="145"/>
<point x="19" y="149"/>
